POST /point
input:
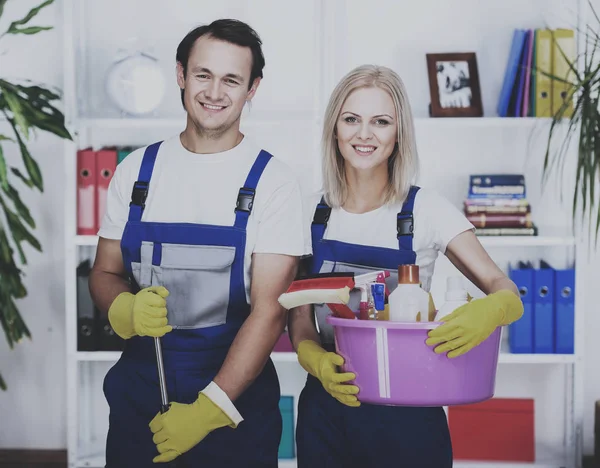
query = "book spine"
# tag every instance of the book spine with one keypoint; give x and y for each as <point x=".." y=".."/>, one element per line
<point x="483" y="220"/>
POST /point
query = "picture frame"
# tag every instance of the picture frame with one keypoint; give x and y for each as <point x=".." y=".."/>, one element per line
<point x="454" y="85"/>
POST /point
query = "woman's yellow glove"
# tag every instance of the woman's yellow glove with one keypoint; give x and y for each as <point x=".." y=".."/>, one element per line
<point x="323" y="365"/>
<point x="472" y="323"/>
<point x="183" y="426"/>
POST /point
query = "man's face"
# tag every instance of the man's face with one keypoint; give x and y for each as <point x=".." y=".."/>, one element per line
<point x="216" y="84"/>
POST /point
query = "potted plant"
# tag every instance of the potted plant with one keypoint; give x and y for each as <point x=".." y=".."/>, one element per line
<point x="26" y="107"/>
<point x="582" y="87"/>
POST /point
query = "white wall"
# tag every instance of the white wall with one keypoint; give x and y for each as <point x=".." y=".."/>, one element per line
<point x="35" y="403"/>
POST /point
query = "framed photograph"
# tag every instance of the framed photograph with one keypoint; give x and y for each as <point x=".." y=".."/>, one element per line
<point x="454" y="85"/>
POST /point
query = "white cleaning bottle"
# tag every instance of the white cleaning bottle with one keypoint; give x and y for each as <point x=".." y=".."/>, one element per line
<point x="408" y="299"/>
<point x="456" y="296"/>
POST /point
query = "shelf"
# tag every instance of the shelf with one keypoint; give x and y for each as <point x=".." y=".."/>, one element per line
<point x="526" y="241"/>
<point x="497" y="464"/>
<point x="270" y="117"/>
<point x="486" y="241"/>
<point x="98" y="461"/>
<point x="480" y="122"/>
<point x="86" y="240"/>
<point x="504" y="358"/>
<point x="113" y="356"/>
<point x="254" y="118"/>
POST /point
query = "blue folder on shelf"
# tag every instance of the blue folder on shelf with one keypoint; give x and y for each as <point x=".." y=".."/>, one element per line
<point x="543" y="309"/>
<point x="564" y="299"/>
<point x="520" y="333"/>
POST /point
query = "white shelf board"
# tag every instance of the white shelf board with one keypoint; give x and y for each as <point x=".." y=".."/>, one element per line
<point x="98" y="461"/>
<point x="270" y="117"/>
<point x="526" y="241"/>
<point x="480" y="122"/>
<point x="543" y="463"/>
<point x="113" y="356"/>
<point x="486" y="241"/>
<point x="86" y="240"/>
<point x="253" y="118"/>
<point x="504" y="357"/>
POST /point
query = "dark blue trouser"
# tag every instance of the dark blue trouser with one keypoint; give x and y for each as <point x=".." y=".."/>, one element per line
<point x="133" y="394"/>
<point x="332" y="435"/>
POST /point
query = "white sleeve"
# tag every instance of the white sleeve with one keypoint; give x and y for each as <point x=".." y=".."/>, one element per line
<point x="439" y="220"/>
<point x="281" y="227"/>
<point x="117" y="205"/>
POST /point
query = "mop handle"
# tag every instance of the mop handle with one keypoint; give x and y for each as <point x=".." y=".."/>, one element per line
<point x="164" y="398"/>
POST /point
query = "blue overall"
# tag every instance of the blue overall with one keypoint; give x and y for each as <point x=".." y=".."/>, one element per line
<point x="331" y="434"/>
<point x="202" y="266"/>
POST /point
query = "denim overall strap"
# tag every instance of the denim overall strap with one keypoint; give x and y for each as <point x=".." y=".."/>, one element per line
<point x="140" y="187"/>
<point x="245" y="198"/>
<point x="404" y="224"/>
<point x="320" y="219"/>
<point x="405" y="221"/>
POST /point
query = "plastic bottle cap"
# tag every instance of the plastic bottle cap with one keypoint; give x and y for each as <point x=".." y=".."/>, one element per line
<point x="455" y="289"/>
<point x="408" y="274"/>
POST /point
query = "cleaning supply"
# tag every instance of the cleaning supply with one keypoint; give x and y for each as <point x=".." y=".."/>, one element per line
<point x="456" y="296"/>
<point x="378" y="294"/>
<point x="328" y="288"/>
<point x="409" y="302"/>
<point x="332" y="289"/>
<point x="472" y="323"/>
<point x="363" y="308"/>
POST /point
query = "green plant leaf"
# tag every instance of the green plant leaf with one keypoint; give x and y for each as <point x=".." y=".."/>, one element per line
<point x="14" y="26"/>
<point x="23" y="178"/>
<point x="2" y="3"/>
<point x="3" y="170"/>
<point x="31" y="30"/>
<point x="2" y="382"/>
<point x="21" y="208"/>
<point x="15" y="106"/>
<point x="36" y="109"/>
<point x="33" y="169"/>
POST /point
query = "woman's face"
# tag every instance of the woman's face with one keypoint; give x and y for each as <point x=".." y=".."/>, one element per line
<point x="367" y="128"/>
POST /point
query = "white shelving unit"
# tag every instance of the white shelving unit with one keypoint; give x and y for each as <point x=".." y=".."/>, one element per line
<point x="329" y="54"/>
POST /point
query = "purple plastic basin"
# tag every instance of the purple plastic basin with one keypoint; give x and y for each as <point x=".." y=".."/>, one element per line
<point x="394" y="366"/>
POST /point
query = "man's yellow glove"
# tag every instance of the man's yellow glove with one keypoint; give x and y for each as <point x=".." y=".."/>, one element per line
<point x="323" y="365"/>
<point x="143" y="314"/>
<point x="183" y="426"/>
<point x="472" y="323"/>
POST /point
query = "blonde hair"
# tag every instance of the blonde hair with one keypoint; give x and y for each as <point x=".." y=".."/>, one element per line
<point x="403" y="164"/>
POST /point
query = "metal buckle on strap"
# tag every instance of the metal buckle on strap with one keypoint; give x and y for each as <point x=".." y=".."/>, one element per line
<point x="139" y="194"/>
<point x="245" y="200"/>
<point x="404" y="225"/>
<point x="322" y="214"/>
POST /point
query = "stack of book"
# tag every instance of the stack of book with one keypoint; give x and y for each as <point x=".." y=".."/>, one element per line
<point x="497" y="205"/>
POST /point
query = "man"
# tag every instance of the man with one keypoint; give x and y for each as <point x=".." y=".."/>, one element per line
<point x="202" y="234"/>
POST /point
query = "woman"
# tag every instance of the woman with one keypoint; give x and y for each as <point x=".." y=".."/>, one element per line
<point x="372" y="217"/>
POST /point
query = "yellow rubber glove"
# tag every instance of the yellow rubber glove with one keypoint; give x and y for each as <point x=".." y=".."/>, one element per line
<point x="183" y="426"/>
<point x="143" y="314"/>
<point x="323" y="365"/>
<point x="472" y="323"/>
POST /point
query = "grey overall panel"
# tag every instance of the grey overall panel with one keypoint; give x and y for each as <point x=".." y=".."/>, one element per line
<point x="197" y="278"/>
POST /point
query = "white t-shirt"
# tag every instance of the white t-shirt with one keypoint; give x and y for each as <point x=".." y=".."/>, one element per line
<point x="202" y="188"/>
<point x="436" y="223"/>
